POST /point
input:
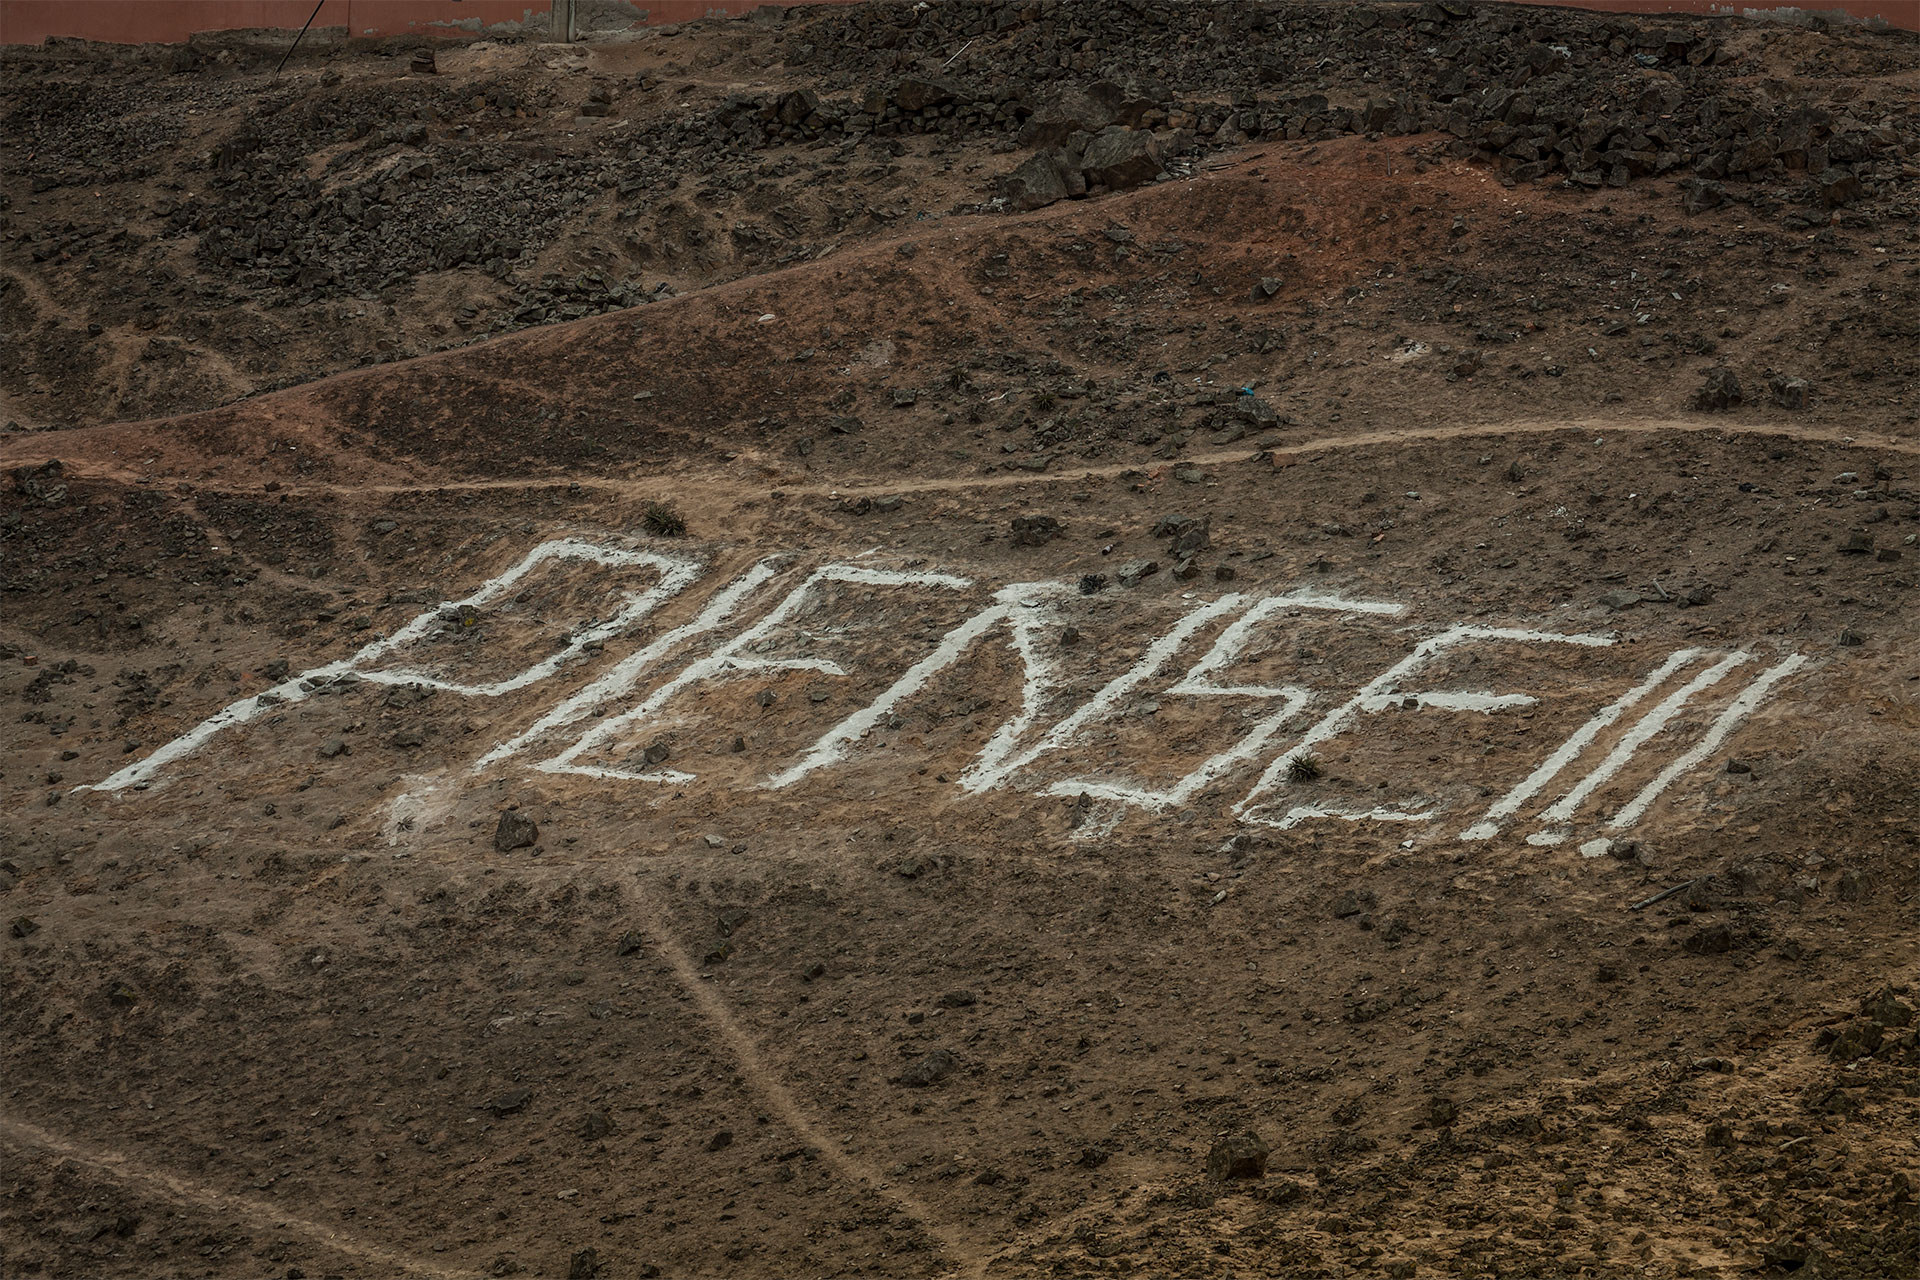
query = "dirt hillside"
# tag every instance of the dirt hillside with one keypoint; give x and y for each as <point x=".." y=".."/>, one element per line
<point x="983" y="639"/>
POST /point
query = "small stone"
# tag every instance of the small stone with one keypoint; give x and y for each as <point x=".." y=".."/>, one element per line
<point x="1839" y="186"/>
<point x="1697" y="195"/>
<point x="1190" y="536"/>
<point x="928" y="1069"/>
<point x="630" y="941"/>
<point x="1858" y="1040"/>
<point x="1617" y="600"/>
<point x="813" y="972"/>
<point x="1035" y="531"/>
<point x="1789" y="393"/>
<point x="1711" y="941"/>
<point x="720" y="1141"/>
<point x="23" y="927"/>
<point x="1851" y="639"/>
<point x="334" y="747"/>
<point x="584" y="1265"/>
<point x="1739" y="766"/>
<point x="1352" y="903"/>
<point x="1132" y="572"/>
<point x="1853" y="885"/>
<point x="514" y="831"/>
<point x="595" y="1125"/>
<point x="1243" y="1156"/>
<point x="956" y="999"/>
<point x="1858" y="543"/>
<point x="510" y="1102"/>
<point x="1886" y="1009"/>
<point x="1720" y="392"/>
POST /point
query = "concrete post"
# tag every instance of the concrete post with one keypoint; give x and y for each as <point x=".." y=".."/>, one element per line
<point x="563" y="21"/>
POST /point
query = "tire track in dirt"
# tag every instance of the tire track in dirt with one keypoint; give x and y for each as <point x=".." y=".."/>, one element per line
<point x="262" y="1215"/>
<point x="968" y="1260"/>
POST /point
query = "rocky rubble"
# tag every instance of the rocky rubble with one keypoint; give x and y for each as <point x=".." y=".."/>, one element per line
<point x="366" y="217"/>
<point x="1592" y="99"/>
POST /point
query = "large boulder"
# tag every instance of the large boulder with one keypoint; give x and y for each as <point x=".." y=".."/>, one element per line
<point x="1121" y="159"/>
<point x="1036" y="184"/>
<point x="915" y="94"/>
<point x="1065" y="111"/>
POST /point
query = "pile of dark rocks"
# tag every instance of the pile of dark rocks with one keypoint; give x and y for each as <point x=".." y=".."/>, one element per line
<point x="1545" y="95"/>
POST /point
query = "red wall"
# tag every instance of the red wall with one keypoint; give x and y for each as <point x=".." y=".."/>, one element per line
<point x="168" y="21"/>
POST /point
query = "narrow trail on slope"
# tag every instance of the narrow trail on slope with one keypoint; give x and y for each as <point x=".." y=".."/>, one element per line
<point x="1282" y="457"/>
<point x="262" y="1215"/>
<point x="767" y="1081"/>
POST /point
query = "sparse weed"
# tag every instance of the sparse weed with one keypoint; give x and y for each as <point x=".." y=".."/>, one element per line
<point x="663" y="519"/>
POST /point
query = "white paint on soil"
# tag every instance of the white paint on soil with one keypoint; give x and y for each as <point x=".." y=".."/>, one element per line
<point x="999" y="761"/>
<point x="1738" y="710"/>
<point x="1374" y="694"/>
<point x="1568" y="751"/>
<point x="626" y="673"/>
<point x="424" y="805"/>
<point x="1201" y="681"/>
<point x="1302" y="813"/>
<point x="1028" y="612"/>
<point x="1652" y="723"/>
<point x="1014" y="606"/>
<point x="675" y="576"/>
<point x="301" y="687"/>
<point x="731" y="660"/>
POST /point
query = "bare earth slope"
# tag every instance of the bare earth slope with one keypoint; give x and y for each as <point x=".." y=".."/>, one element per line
<point x="1285" y="651"/>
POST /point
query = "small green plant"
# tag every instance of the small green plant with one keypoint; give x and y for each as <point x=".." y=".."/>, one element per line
<point x="1304" y="767"/>
<point x="1043" y="401"/>
<point x="663" y="519"/>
